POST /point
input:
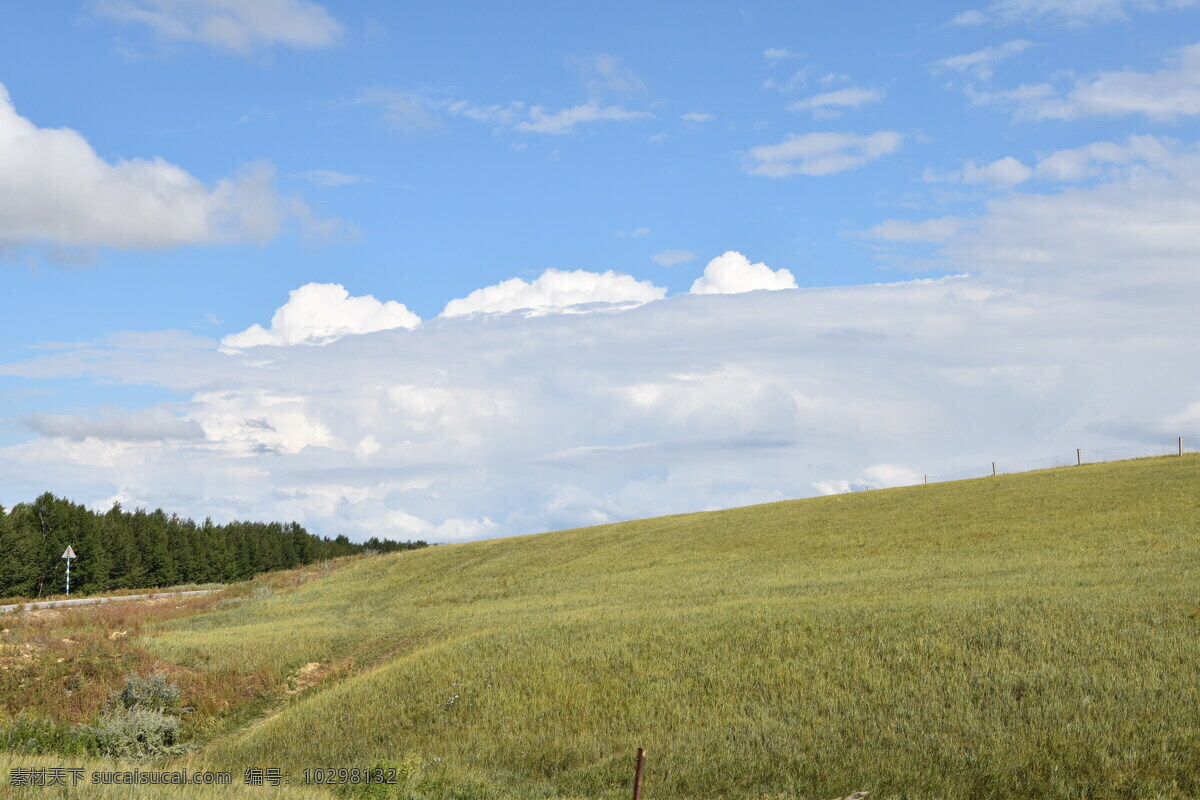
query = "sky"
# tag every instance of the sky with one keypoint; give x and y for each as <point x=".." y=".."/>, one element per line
<point x="465" y="270"/>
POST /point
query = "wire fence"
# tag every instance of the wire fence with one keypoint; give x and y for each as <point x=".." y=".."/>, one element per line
<point x="1176" y="446"/>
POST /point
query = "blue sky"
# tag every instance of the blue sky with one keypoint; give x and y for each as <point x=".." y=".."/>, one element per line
<point x="474" y="270"/>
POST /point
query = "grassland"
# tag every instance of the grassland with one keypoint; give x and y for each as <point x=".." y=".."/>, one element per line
<point x="1024" y="636"/>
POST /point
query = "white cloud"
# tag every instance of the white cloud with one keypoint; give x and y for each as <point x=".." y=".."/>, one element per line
<point x="780" y="53"/>
<point x="930" y="230"/>
<point x="331" y="178"/>
<point x="1003" y="172"/>
<point x="1070" y="12"/>
<point x="732" y="273"/>
<point x="1171" y="92"/>
<point x="240" y="26"/>
<point x="968" y="18"/>
<point x="821" y="153"/>
<point x="503" y="424"/>
<point x="636" y="233"/>
<point x="1074" y="328"/>
<point x="798" y="79"/>
<point x="557" y="291"/>
<point x="697" y="117"/>
<point x="982" y="62"/>
<point x="319" y="313"/>
<point x="54" y="188"/>
<point x="413" y="112"/>
<point x="603" y="73"/>
<point x="830" y="104"/>
<point x="1101" y="158"/>
<point x="669" y="258"/>
<point x="1140" y="224"/>
<point x="565" y="120"/>
<point x="116" y="424"/>
<point x="876" y="476"/>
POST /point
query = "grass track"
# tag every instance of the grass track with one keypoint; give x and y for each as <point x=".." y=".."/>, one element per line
<point x="1024" y="636"/>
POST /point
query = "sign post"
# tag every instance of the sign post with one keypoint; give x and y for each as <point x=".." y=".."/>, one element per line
<point x="68" y="555"/>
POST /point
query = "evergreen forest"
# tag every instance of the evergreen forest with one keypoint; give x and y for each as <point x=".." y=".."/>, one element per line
<point x="121" y="549"/>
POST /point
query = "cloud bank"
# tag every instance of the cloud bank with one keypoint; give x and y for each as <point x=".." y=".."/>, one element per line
<point x="1073" y="328"/>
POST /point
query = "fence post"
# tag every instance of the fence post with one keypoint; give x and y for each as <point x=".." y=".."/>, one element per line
<point x="993" y="469"/>
<point x="1180" y="445"/>
<point x="637" y="774"/>
<point x="926" y="478"/>
<point x="1078" y="456"/>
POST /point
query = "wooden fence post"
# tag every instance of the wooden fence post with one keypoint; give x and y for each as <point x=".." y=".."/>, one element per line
<point x="637" y="774"/>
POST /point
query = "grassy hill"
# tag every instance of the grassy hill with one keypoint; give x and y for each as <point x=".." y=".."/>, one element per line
<point x="1023" y="636"/>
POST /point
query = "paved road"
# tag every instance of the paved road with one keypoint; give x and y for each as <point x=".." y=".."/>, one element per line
<point x="83" y="601"/>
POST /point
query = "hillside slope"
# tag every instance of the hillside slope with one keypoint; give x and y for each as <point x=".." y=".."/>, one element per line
<point x="1026" y="636"/>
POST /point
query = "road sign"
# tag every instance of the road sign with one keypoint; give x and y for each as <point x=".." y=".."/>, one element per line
<point x="70" y="553"/>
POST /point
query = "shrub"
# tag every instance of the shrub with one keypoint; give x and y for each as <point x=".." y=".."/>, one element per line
<point x="136" y="733"/>
<point x="141" y="720"/>
<point x="151" y="693"/>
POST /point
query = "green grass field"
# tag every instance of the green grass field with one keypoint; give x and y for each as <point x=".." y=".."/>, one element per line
<point x="1023" y="636"/>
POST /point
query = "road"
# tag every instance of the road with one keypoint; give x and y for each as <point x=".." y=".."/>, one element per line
<point x="83" y="601"/>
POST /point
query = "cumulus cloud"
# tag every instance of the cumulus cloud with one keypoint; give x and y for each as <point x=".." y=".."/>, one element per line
<point x="982" y="62"/>
<point x="829" y="105"/>
<point x="240" y="26"/>
<point x="54" y="188"/>
<point x="116" y="424"/>
<point x="820" y="153"/>
<point x="557" y="291"/>
<point x="505" y="424"/>
<point x="1165" y="95"/>
<point x="319" y="313"/>
<point x="732" y="273"/>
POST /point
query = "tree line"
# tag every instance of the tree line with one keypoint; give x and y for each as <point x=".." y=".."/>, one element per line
<point x="121" y="549"/>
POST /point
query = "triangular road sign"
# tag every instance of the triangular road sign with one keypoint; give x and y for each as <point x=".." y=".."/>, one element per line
<point x="70" y="553"/>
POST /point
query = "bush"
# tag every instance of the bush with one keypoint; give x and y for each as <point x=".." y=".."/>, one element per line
<point x="151" y="693"/>
<point x="136" y="733"/>
<point x="141" y="720"/>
